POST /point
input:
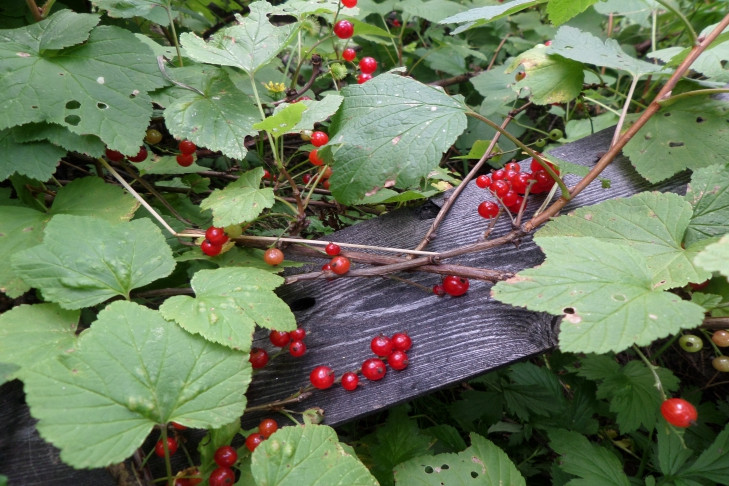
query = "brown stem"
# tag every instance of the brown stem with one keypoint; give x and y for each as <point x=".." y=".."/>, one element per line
<point x="272" y="406"/>
<point x="455" y="79"/>
<point x="37" y="15"/>
<point x="316" y="62"/>
<point x="716" y="323"/>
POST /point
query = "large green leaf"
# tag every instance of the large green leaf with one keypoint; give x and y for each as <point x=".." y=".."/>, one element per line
<point x="482" y="463"/>
<point x="228" y="304"/>
<point x="605" y="291"/>
<point x="37" y="160"/>
<point x="84" y="261"/>
<point x="304" y="8"/>
<point x="652" y="223"/>
<point x="393" y="130"/>
<point x="241" y="200"/>
<point x="596" y="465"/>
<point x="549" y="79"/>
<point x="249" y="44"/>
<point x="58" y="135"/>
<point x="715" y="257"/>
<point x="708" y="193"/>
<point x="306" y="456"/>
<point x="481" y="15"/>
<point x="99" y="87"/>
<point x="560" y="11"/>
<point x="152" y="10"/>
<point x="712" y="464"/>
<point x="131" y="371"/>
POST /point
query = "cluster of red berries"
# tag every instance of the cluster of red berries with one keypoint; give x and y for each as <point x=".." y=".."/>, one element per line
<point x="318" y="139"/>
<point x="338" y="264"/>
<point x="214" y="240"/>
<point x="187" y="153"/>
<point x="452" y="285"/>
<point x="344" y="30"/>
<point x="294" y="340"/>
<point x="116" y="156"/>
<point x="510" y="184"/>
<point x="265" y="429"/>
<point x="392" y="350"/>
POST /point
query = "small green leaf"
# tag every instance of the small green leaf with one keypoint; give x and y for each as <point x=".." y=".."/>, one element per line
<point x="560" y="11"/>
<point x="152" y="10"/>
<point x="482" y="15"/>
<point x="20" y="228"/>
<point x="596" y="465"/>
<point x="708" y="193"/>
<point x="130" y="371"/>
<point x="672" y="452"/>
<point x="241" y="201"/>
<point x="482" y="463"/>
<point x="534" y="391"/>
<point x="431" y="10"/>
<point x="283" y="120"/>
<point x="84" y="261"/>
<point x="317" y="111"/>
<point x="605" y="292"/>
<point x="495" y="86"/>
<point x="228" y="304"/>
<point x="549" y="79"/>
<point x="712" y="464"/>
<point x="715" y="257"/>
<point x="37" y="160"/>
<point x="307" y="456"/>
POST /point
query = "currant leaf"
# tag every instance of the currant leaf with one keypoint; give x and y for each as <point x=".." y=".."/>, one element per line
<point x="482" y="15"/>
<point x="549" y="79"/>
<point x="582" y="458"/>
<point x="715" y="257"/>
<point x="240" y="201"/>
<point x="708" y="193"/>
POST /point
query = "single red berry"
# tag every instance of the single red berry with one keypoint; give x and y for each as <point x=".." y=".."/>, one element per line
<point x="349" y="3"/>
<point x="185" y="160"/>
<point x="349" y="54"/>
<point x="298" y="334"/>
<point x="141" y="155"/>
<point x="319" y="138"/>
<point x="513" y="166"/>
<point x="488" y="209"/>
<point x="483" y="181"/>
<point x="368" y="65"/>
<point x="216" y="235"/>
<point x="159" y="447"/>
<point x="222" y="476"/>
<point x="225" y="456"/>
<point x="514" y="208"/>
<point x="498" y="175"/>
<point x="438" y="290"/>
<point x="187" y="147"/>
<point x="374" y="369"/>
<point x="114" y="155"/>
<point x="455" y="286"/>
<point x="326" y="268"/>
<point x="297" y="348"/>
<point x="254" y="440"/>
<point x="266" y="174"/>
<point x="350" y="381"/>
<point x="267" y="427"/>
<point x="344" y="29"/>
<point x="322" y="377"/>
<point x="363" y="78"/>
<point x="326" y="172"/>
<point x="258" y="358"/>
<point x="326" y="184"/>
<point x="340" y="265"/>
<point x="509" y="198"/>
<point x="398" y="360"/>
<point x="210" y="249"/>
<point x="279" y="338"/>
<point x="332" y="249"/>
<point x="306" y="178"/>
<point x="381" y="345"/>
<point x="315" y="159"/>
<point x="178" y="426"/>
<point x="401" y="341"/>
<point x="548" y="43"/>
<point x="520" y="183"/>
<point x="679" y="412"/>
<point x="500" y="188"/>
<point x="273" y="256"/>
<point x="699" y="286"/>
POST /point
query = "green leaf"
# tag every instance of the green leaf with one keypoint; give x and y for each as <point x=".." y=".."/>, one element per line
<point x="20" y="228"/>
<point x="533" y="390"/>
<point x="306" y="456"/>
<point x="431" y="10"/>
<point x="166" y="164"/>
<point x="249" y="44"/>
<point x="30" y="334"/>
<point x="712" y="464"/>
<point x="84" y="261"/>
<point x="715" y="257"/>
<point x="220" y="119"/>
<point x="560" y="11"/>
<point x="91" y="196"/>
<point x="97" y="88"/>
<point x="238" y="257"/>
<point x="283" y="120"/>
<point x="605" y="291"/>
<point x="393" y="130"/>
<point x="708" y="193"/>
<point x="304" y="8"/>
<point x="152" y="10"/>
<point x="594" y="464"/>
<point x="241" y="201"/>
<point x="37" y="160"/>
<point x="130" y="371"/>
<point x="495" y="85"/>
<point x="228" y="304"/>
<point x="687" y="134"/>
<point x="482" y="15"/>
<point x="58" y="135"/>
<point x="672" y="452"/>
<point x="549" y="79"/>
<point x="317" y="112"/>
<point x="482" y="463"/>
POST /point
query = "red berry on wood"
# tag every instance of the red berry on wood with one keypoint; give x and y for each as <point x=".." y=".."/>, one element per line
<point x="398" y="360"/>
<point x="455" y="286"/>
<point x="332" y="249"/>
<point x="381" y="345"/>
<point x="483" y="181"/>
<point x="488" y="209"/>
<point x="298" y="334"/>
<point x="297" y="348"/>
<point x="374" y="369"/>
<point x="350" y="381"/>
<point x="322" y="377"/>
<point x="279" y="338"/>
<point x="401" y="341"/>
<point x="340" y="265"/>
<point x="438" y="290"/>
<point x="258" y="358"/>
<point x="273" y="256"/>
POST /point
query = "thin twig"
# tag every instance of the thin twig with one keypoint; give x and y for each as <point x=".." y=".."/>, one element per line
<point x="34" y="10"/>
<point x="156" y="194"/>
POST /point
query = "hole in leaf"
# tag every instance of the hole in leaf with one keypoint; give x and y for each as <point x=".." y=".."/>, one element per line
<point x="302" y="304"/>
<point x="569" y="310"/>
<point x="474" y="474"/>
<point x="675" y="144"/>
<point x="102" y="106"/>
<point x="668" y="113"/>
<point x="35" y="107"/>
<point x="445" y="466"/>
<point x="428" y="470"/>
<point x="73" y="105"/>
<point x="619" y="297"/>
<point x="73" y="120"/>
<point x="699" y="119"/>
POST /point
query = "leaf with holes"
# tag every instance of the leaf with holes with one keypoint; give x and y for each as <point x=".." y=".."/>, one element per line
<point x="392" y="130"/>
<point x="482" y="463"/>
<point x="482" y="15"/>
<point x="241" y="201"/>
<point x="605" y="291"/>
<point x="580" y="457"/>
<point x="708" y="193"/>
<point x="549" y="79"/>
<point x="99" y="87"/>
<point x="132" y="371"/>
<point x="228" y="304"/>
<point x="84" y="261"/>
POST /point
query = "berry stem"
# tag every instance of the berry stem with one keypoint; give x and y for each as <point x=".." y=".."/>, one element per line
<point x="156" y="194"/>
<point x="653" y="369"/>
<point x="277" y="406"/>
<point x="168" y="465"/>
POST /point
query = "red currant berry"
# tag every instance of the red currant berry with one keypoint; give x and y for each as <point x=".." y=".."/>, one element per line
<point x="332" y="249"/>
<point x="488" y="209"/>
<point x="185" y="160"/>
<point x="326" y="184"/>
<point x="374" y="369"/>
<point x="678" y="412"/>
<point x="721" y="363"/>
<point x="368" y="65"/>
<point x="298" y="334"/>
<point x="297" y="348"/>
<point x="225" y="456"/>
<point x="254" y="440"/>
<point x="500" y="188"/>
<point x="721" y="338"/>
<point x="141" y="155"/>
<point x="520" y="183"/>
<point x="326" y="268"/>
<point x="159" y="447"/>
<point x="273" y="256"/>
<point x="279" y="338"/>
<point x="326" y="172"/>
<point x="113" y="155"/>
<point x="513" y="166"/>
<point x="340" y="265"/>
<point x="381" y="345"/>
<point x="319" y="138"/>
<point x="344" y="29"/>
<point x="216" y="235"/>
<point x="222" y="476"/>
<point x="398" y="360"/>
<point x="258" y="358"/>
<point x="350" y="381"/>
<point x="438" y="290"/>
<point x="548" y="43"/>
<point x="534" y="166"/>
<point x="699" y="286"/>
<point x="455" y="286"/>
<point x="306" y="178"/>
<point x="210" y="249"/>
<point x="349" y="3"/>
<point x="315" y="159"/>
<point x="401" y="341"/>
<point x="509" y="198"/>
<point x="267" y="427"/>
<point x="363" y="78"/>
<point x="187" y="147"/>
<point x="322" y="377"/>
<point x="483" y="181"/>
<point x="349" y="54"/>
<point x="498" y="175"/>
<point x="266" y="174"/>
<point x="514" y="208"/>
<point x="178" y="426"/>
